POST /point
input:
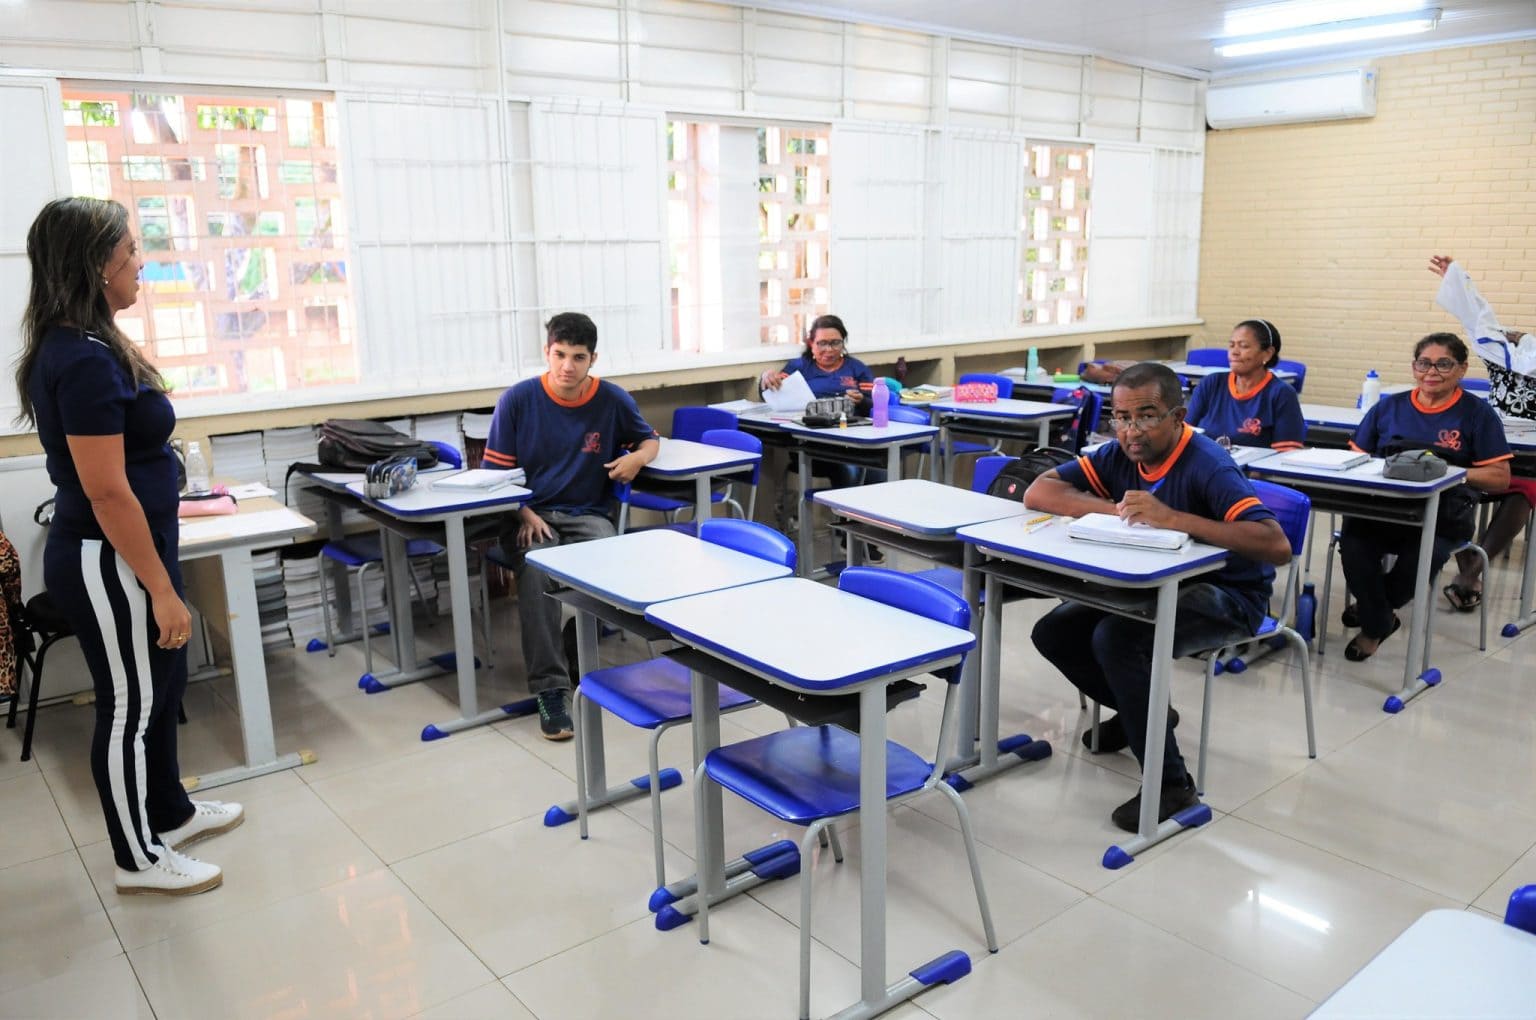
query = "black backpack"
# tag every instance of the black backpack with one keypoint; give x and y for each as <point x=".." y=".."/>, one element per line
<point x="352" y="444"/>
<point x="1018" y="473"/>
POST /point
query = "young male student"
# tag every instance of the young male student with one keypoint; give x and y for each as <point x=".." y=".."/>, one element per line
<point x="1162" y="473"/>
<point x="574" y="435"/>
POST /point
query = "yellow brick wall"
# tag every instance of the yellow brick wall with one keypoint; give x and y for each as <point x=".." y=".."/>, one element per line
<point x="1326" y="229"/>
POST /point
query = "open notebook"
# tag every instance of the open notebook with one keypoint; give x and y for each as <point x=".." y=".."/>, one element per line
<point x="1326" y="460"/>
<point x="479" y="480"/>
<point x="1111" y="530"/>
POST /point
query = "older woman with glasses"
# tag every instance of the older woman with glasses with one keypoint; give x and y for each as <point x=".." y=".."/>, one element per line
<point x="1437" y="415"/>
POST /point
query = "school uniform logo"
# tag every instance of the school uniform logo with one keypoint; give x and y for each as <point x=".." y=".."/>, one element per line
<point x="592" y="442"/>
<point x="1449" y="439"/>
<point x="1251" y="427"/>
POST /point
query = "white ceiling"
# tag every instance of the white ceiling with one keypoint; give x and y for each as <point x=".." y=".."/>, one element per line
<point x="1170" y="34"/>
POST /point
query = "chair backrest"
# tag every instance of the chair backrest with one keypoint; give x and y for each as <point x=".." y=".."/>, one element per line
<point x="751" y="538"/>
<point x="1469" y="383"/>
<point x="447" y="453"/>
<point x="1087" y="419"/>
<point x="1216" y="356"/>
<point x="1004" y="383"/>
<point x="693" y="422"/>
<point x="1291" y="508"/>
<point x="987" y="469"/>
<point x="909" y="414"/>
<point x="735" y="439"/>
<point x="1300" y="368"/>
<point x="914" y="594"/>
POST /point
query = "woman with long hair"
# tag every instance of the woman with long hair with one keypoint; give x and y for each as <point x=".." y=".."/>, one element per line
<point x="103" y="418"/>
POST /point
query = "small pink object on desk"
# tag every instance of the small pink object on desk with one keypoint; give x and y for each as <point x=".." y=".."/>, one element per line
<point x="975" y="393"/>
<point x="215" y="503"/>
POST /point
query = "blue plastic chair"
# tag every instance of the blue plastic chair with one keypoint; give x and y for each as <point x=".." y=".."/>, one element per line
<point x="687" y="423"/>
<point x="735" y="439"/>
<point x="965" y="448"/>
<point x="656" y="694"/>
<point x="950" y="578"/>
<point x="809" y="775"/>
<point x="1469" y="383"/>
<point x="1300" y="368"/>
<point x="1087" y="419"/>
<point x="1294" y="511"/>
<point x="1210" y="356"/>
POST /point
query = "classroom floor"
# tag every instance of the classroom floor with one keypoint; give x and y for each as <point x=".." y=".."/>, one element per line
<point x="393" y="878"/>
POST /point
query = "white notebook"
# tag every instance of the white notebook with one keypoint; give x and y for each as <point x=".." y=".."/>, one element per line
<point x="1111" y="530"/>
<point x="1326" y="460"/>
<point x="479" y="480"/>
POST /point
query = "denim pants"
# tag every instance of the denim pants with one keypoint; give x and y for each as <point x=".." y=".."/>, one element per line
<point x="1109" y="657"/>
<point x="1362" y="544"/>
<point x="538" y="615"/>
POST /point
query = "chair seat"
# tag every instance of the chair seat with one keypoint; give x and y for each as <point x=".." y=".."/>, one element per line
<point x="961" y="446"/>
<point x="809" y="772"/>
<point x="651" y="693"/>
<point x="361" y="549"/>
<point x="1268" y="627"/>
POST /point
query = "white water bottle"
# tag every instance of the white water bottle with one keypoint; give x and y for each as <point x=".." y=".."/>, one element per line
<point x="197" y="469"/>
<point x="880" y="404"/>
<point x="1370" y="391"/>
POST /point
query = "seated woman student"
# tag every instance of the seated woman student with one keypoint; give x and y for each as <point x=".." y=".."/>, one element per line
<point x="831" y="371"/>
<point x="1248" y="405"/>
<point x="1511" y="362"/>
<point x="1436" y="415"/>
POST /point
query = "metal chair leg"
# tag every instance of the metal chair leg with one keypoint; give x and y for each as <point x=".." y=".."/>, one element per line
<point x="325" y="608"/>
<point x="806" y="841"/>
<point x="970" y="853"/>
<point x="1205" y="720"/>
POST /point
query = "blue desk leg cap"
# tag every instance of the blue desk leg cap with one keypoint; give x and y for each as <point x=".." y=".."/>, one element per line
<point x="669" y="778"/>
<point x="1392" y="705"/>
<point x="316" y="645"/>
<point x="958" y="782"/>
<point x="431" y="732"/>
<point x="1510" y="630"/>
<point x="1115" y="858"/>
<point x="763" y="854"/>
<point x="1030" y="750"/>
<point x="374" y="687"/>
<point x="1219" y="668"/>
<point x="662" y="897"/>
<point x="1432" y="677"/>
<point x="1236" y="666"/>
<point x="1195" y="816"/>
<point x="670" y="917"/>
<point x="782" y="866"/>
<point x="557" y="815"/>
<point x="943" y="970"/>
<point x="364" y="680"/>
<point x="381" y="628"/>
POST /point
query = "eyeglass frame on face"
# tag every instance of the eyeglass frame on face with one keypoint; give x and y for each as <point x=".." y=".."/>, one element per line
<point x="1445" y="366"/>
<point x="1143" y="423"/>
<point x="830" y="345"/>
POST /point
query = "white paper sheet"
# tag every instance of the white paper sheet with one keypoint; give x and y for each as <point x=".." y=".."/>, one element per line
<point x="792" y="395"/>
<point x="261" y="522"/>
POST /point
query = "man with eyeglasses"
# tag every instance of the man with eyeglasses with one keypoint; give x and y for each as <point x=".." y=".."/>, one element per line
<point x="1162" y="473"/>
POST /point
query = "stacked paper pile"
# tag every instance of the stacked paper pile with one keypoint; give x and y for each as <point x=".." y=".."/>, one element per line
<point x="301" y="583"/>
<point x="271" y="600"/>
<point x="238" y="458"/>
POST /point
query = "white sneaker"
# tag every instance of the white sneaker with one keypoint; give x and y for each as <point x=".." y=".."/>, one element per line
<point x="209" y="818"/>
<point x="173" y="874"/>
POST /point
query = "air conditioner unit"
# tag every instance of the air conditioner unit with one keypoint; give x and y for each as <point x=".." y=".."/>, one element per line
<point x="1334" y="95"/>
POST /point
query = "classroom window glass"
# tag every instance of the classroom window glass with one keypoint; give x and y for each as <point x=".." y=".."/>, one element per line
<point x="749" y="229"/>
<point x="1053" y="279"/>
<point x="237" y="204"/>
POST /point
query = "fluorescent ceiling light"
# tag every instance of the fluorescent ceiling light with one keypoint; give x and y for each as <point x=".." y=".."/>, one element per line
<point x="1304" y="13"/>
<point x="1331" y="34"/>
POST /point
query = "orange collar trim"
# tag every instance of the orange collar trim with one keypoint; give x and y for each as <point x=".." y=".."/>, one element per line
<point x="589" y="391"/>
<point x="1167" y="465"/>
<point x="1232" y="386"/>
<point x="1413" y="395"/>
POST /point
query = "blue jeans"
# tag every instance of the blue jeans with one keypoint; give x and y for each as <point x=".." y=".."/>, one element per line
<point x="1109" y="657"/>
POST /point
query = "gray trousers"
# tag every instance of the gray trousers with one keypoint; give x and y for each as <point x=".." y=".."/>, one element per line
<point x="538" y="615"/>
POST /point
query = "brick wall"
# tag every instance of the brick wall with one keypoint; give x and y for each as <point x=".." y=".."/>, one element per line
<point x="1326" y="229"/>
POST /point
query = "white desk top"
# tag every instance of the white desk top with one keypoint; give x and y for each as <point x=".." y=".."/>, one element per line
<point x="685" y="458"/>
<point x="204" y="536"/>
<point x="1049" y="547"/>
<point x="808" y="636"/>
<point x="863" y="435"/>
<point x="1185" y="368"/>
<point x="640" y="568"/>
<point x="1332" y="414"/>
<point x="919" y="506"/>
<point x="1362" y="476"/>
<point x="1449" y="963"/>
<point x="1020" y="410"/>
<point x="338" y="481"/>
<point x="427" y="503"/>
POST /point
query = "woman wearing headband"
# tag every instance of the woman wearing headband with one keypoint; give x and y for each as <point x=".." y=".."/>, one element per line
<point x="1248" y="404"/>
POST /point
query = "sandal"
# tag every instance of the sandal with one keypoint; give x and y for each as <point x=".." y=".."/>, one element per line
<point x="1462" y="598"/>
<point x="1352" y="650"/>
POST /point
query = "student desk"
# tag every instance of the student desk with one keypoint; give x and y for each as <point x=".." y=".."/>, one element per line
<point x="921" y="517"/>
<point x="615" y="580"/>
<point x="1361" y="491"/>
<point x="995" y="419"/>
<point x="857" y="444"/>
<point x="1449" y="963"/>
<point x="228" y="543"/>
<point x="1330" y="426"/>
<point x="1115" y="578"/>
<point x="403" y="517"/>
<point x="682" y="460"/>
<point x="746" y="628"/>
<point x="1185" y="370"/>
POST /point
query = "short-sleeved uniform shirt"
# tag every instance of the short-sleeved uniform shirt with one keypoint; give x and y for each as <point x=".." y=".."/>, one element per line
<point x="847" y="376"/>
<point x="1267" y="415"/>
<point x="562" y="444"/>
<point x="1199" y="478"/>
<point x="1463" y="431"/>
<point x="80" y="388"/>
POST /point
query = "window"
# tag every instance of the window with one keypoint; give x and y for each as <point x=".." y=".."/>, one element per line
<point x="1053" y="283"/>
<point x="749" y="230"/>
<point x="237" y="205"/>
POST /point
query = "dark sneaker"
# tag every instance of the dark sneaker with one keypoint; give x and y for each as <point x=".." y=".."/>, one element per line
<point x="554" y="717"/>
<point x="1175" y="797"/>
<point x="1112" y="735"/>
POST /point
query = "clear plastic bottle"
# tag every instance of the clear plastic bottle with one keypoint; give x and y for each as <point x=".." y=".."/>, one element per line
<point x="880" y="404"/>
<point x="1032" y="363"/>
<point x="842" y="419"/>
<point x="197" y="469"/>
<point x="1370" y="391"/>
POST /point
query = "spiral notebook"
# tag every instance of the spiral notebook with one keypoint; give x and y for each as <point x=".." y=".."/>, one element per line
<point x="1111" y="530"/>
<point x="1326" y="460"/>
<point x="478" y="480"/>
